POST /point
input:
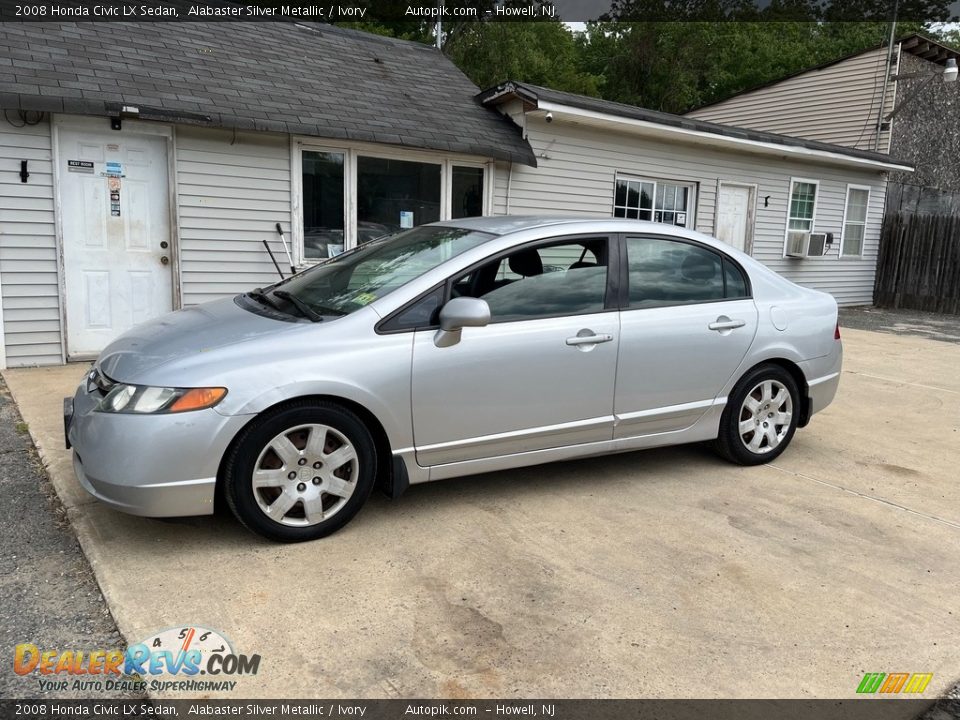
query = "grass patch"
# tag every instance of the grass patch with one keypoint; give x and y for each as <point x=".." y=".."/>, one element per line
<point x="22" y="428"/>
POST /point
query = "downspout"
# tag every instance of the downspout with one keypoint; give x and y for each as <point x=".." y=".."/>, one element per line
<point x="509" y="185"/>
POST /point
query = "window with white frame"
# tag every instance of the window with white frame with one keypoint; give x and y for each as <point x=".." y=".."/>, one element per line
<point x="322" y="186"/>
<point x="657" y="200"/>
<point x="350" y="196"/>
<point x="854" y="221"/>
<point x="803" y="207"/>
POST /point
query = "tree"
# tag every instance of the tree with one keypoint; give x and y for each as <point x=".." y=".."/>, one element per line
<point x="949" y="36"/>
<point x="541" y="53"/>
<point x="677" y="66"/>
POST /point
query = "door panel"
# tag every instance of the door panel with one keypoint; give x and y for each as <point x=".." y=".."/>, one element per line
<point x="672" y="365"/>
<point x="115" y="215"/>
<point x="685" y="331"/>
<point x="513" y="387"/>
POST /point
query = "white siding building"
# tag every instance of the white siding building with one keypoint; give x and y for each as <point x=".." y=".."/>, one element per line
<point x="136" y="204"/>
<point x="726" y="182"/>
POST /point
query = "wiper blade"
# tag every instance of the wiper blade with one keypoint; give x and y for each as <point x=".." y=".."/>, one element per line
<point x="300" y="305"/>
<point x="263" y="298"/>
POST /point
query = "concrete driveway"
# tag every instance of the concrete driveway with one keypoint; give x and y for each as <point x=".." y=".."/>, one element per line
<point x="666" y="573"/>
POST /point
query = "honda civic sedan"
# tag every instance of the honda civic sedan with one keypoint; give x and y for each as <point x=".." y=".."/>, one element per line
<point x="450" y="349"/>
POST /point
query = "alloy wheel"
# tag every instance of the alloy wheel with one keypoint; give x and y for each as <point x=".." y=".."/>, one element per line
<point x="305" y="475"/>
<point x="765" y="416"/>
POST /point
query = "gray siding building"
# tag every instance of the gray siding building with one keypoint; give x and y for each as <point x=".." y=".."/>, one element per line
<point x="141" y="176"/>
<point x="854" y="101"/>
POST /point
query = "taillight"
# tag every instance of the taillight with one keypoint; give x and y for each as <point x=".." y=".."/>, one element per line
<point x="836" y="333"/>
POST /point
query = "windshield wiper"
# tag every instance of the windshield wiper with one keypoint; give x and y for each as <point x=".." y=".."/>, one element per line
<point x="262" y="297"/>
<point x="300" y="305"/>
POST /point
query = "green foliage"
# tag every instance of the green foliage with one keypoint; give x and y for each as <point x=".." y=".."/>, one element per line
<point x="677" y="66"/>
<point x="949" y="36"/>
<point x="541" y="53"/>
<point x="418" y="32"/>
<point x="669" y="66"/>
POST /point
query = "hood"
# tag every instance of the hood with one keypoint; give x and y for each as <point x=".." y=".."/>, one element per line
<point x="183" y="334"/>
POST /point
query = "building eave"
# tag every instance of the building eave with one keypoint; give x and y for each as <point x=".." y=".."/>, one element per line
<point x="700" y="137"/>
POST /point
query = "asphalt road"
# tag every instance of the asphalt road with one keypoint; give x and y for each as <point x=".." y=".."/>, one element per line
<point x="902" y="322"/>
<point x="50" y="597"/>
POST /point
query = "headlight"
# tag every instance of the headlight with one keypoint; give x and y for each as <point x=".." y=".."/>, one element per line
<point x="140" y="399"/>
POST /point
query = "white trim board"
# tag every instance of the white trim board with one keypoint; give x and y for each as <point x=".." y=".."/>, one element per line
<point x="716" y="140"/>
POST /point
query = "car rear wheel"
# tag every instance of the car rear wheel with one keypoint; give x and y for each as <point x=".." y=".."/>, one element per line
<point x="300" y="472"/>
<point x="760" y="417"/>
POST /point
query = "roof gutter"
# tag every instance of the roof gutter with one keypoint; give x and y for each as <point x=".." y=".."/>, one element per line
<point x="724" y="141"/>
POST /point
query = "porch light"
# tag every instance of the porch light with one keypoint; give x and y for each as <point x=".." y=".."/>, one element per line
<point x="950" y="71"/>
<point x="948" y="75"/>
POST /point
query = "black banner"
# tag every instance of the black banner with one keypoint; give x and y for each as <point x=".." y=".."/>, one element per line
<point x="852" y="709"/>
<point x="456" y="11"/>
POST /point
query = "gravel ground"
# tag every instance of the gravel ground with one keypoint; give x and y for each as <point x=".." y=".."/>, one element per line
<point x="902" y="322"/>
<point x="50" y="597"/>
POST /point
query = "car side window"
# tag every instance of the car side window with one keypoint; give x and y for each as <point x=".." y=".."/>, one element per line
<point x="549" y="280"/>
<point x="423" y="312"/>
<point x="666" y="272"/>
<point x="735" y="282"/>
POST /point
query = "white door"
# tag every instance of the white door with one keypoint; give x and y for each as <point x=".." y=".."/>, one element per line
<point x="734" y="215"/>
<point x="114" y="201"/>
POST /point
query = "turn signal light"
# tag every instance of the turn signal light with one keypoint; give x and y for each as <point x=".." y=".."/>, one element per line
<point x="198" y="399"/>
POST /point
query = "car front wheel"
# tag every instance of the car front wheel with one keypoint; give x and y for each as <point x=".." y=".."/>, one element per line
<point x="760" y="417"/>
<point x="300" y="472"/>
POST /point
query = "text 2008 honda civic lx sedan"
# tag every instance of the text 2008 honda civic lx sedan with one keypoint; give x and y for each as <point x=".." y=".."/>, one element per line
<point x="449" y="349"/>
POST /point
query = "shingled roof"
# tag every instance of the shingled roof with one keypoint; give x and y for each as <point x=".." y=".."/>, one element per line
<point x="305" y="79"/>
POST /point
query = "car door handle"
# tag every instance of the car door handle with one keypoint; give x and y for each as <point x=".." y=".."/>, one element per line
<point x="589" y="339"/>
<point x="725" y="323"/>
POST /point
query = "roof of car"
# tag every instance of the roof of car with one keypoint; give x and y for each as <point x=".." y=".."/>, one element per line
<point x="300" y="78"/>
<point x="507" y="224"/>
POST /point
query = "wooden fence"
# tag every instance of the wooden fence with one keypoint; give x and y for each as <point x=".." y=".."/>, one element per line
<point x="919" y="262"/>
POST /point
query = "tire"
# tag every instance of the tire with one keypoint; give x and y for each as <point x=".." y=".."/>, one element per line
<point x="764" y="396"/>
<point x="300" y="472"/>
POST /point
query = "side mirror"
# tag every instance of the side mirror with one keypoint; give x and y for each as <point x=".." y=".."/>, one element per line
<point x="457" y="314"/>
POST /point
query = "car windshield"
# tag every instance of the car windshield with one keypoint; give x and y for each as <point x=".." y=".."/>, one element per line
<point x="356" y="278"/>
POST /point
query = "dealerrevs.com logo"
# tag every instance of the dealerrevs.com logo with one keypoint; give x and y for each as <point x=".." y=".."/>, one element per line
<point x="191" y="658"/>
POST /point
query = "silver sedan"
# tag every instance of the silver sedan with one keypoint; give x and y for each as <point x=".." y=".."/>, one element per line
<point x="454" y="348"/>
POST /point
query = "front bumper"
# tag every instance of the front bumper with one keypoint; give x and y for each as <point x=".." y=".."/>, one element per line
<point x="150" y="465"/>
<point x="172" y="499"/>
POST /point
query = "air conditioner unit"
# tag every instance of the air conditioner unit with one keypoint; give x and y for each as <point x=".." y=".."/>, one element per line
<point x="798" y="241"/>
<point x="819" y="244"/>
